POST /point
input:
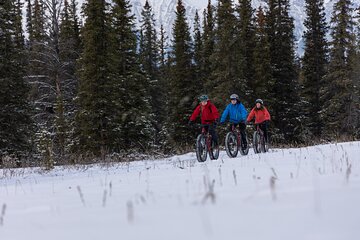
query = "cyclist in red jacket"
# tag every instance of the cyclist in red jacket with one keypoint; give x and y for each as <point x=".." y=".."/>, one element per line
<point x="262" y="117"/>
<point x="209" y="115"/>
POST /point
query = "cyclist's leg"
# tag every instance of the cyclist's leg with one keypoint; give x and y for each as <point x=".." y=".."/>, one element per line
<point x="206" y="128"/>
<point x="242" y="128"/>
<point x="264" y="127"/>
<point x="213" y="134"/>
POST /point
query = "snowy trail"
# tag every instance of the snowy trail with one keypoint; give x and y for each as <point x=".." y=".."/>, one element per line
<point x="306" y="193"/>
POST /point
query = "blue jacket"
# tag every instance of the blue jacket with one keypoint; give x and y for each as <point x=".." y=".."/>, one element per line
<point x="236" y="112"/>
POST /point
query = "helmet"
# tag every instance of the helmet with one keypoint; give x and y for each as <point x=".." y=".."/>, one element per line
<point x="259" y="101"/>
<point x="234" y="96"/>
<point x="203" y="98"/>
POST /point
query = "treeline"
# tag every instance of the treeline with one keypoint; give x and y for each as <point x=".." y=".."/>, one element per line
<point x="77" y="89"/>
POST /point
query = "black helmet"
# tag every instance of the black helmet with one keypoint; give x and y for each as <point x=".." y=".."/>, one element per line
<point x="234" y="96"/>
<point x="259" y="101"/>
<point x="203" y="98"/>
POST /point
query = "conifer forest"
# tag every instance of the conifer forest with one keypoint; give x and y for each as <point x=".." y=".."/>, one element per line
<point x="83" y="82"/>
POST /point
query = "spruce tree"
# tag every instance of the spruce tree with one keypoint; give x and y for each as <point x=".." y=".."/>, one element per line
<point x="208" y="40"/>
<point x="37" y="41"/>
<point x="69" y="52"/>
<point x="314" y="63"/>
<point x="132" y="100"/>
<point x="286" y="105"/>
<point x="198" y="50"/>
<point x="338" y="89"/>
<point x="245" y="41"/>
<point x="151" y="62"/>
<point x="164" y="78"/>
<point x="15" y="122"/>
<point x="263" y="81"/>
<point x="149" y="49"/>
<point x="356" y="79"/>
<point x="29" y="19"/>
<point x="162" y="47"/>
<point x="183" y="90"/>
<point x="94" y="116"/>
<point x="224" y="80"/>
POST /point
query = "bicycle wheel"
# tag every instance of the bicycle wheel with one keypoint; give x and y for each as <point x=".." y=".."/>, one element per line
<point x="262" y="144"/>
<point x="244" y="151"/>
<point x="256" y="142"/>
<point x="231" y="145"/>
<point x="201" y="149"/>
<point x="214" y="151"/>
<point x="266" y="145"/>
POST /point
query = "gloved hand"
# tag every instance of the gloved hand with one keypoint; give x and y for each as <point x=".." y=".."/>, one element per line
<point x="190" y="123"/>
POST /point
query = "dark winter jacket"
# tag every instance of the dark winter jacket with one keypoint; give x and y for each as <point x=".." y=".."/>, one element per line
<point x="260" y="115"/>
<point x="236" y="112"/>
<point x="209" y="113"/>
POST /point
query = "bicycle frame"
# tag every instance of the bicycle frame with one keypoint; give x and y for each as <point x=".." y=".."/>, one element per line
<point x="263" y="144"/>
<point x="207" y="136"/>
<point x="261" y="132"/>
<point x="205" y="144"/>
<point x="237" y="133"/>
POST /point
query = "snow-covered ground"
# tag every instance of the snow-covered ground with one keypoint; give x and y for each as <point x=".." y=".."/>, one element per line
<point x="307" y="193"/>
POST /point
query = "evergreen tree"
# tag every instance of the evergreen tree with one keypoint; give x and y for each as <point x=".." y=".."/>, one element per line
<point x="29" y="27"/>
<point x="149" y="49"/>
<point x="208" y="40"/>
<point x="245" y="41"/>
<point x="224" y="80"/>
<point x="149" y="55"/>
<point x="338" y="89"/>
<point x="132" y="110"/>
<point x="164" y="78"/>
<point x="15" y="122"/>
<point x="18" y="32"/>
<point x="314" y="63"/>
<point x="356" y="79"/>
<point x="263" y="81"/>
<point x="182" y="87"/>
<point x="162" y="47"/>
<point x="198" y="50"/>
<point x="286" y="105"/>
<point x="94" y="116"/>
<point x="69" y="52"/>
<point x="37" y="33"/>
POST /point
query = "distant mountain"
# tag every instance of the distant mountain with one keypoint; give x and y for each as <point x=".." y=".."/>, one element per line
<point x="164" y="11"/>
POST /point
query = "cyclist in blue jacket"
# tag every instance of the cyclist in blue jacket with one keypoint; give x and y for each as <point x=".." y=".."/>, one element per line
<point x="237" y="116"/>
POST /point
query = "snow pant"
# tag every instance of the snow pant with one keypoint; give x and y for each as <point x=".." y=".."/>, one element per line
<point x="211" y="130"/>
<point x="264" y="127"/>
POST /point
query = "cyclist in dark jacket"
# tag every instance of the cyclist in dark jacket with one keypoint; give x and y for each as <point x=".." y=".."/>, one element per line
<point x="209" y="115"/>
<point x="237" y="116"/>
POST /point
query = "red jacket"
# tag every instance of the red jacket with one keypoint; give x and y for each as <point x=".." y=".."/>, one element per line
<point x="260" y="115"/>
<point x="209" y="113"/>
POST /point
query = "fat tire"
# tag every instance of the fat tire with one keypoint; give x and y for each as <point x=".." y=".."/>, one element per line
<point x="230" y="136"/>
<point x="214" y="152"/>
<point x="266" y="145"/>
<point x="256" y="142"/>
<point x="245" y="151"/>
<point x="201" y="148"/>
